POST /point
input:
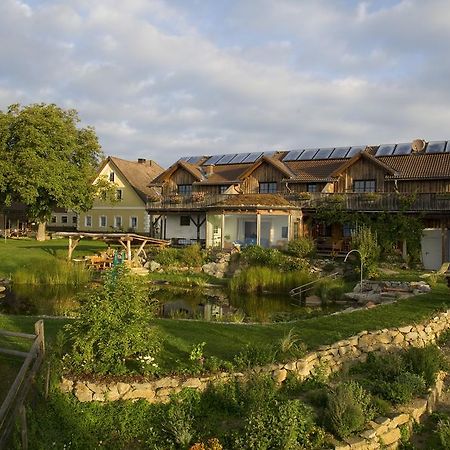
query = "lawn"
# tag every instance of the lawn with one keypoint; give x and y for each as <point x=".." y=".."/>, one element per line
<point x="20" y="253"/>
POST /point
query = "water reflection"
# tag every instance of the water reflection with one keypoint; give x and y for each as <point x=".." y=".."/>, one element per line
<point x="193" y="303"/>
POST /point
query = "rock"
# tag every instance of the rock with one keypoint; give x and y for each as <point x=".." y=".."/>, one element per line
<point x="390" y="437"/>
<point x="279" y="375"/>
<point x="313" y="300"/>
<point x="2" y="288"/>
<point x="192" y="383"/>
<point x="154" y="266"/>
<point x="83" y="393"/>
<point x="66" y="385"/>
<point x="166" y="382"/>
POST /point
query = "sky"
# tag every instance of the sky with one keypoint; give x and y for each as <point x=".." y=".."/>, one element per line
<point x="164" y="79"/>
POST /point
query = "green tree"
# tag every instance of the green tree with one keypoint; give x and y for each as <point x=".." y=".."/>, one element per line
<point x="46" y="160"/>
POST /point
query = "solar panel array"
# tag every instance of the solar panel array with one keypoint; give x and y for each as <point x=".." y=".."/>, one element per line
<point x="406" y="148"/>
<point x="236" y="158"/>
<point x="323" y="153"/>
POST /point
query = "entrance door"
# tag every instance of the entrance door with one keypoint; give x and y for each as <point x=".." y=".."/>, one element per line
<point x="432" y="248"/>
<point x="250" y="233"/>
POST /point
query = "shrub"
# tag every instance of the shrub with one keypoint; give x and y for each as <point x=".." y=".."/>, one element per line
<point x="192" y="255"/>
<point x="443" y="431"/>
<point x="301" y="247"/>
<point x="366" y="241"/>
<point x="280" y="425"/>
<point x="291" y="346"/>
<point x="114" y="332"/>
<point x="210" y="444"/>
<point x="165" y="256"/>
<point x="426" y="362"/>
<point x="255" y="255"/>
<point x="255" y="355"/>
<point x="349" y="408"/>
<point x="330" y="290"/>
<point x="402" y="389"/>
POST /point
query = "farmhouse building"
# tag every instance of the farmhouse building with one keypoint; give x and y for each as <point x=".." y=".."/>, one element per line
<point x="268" y="198"/>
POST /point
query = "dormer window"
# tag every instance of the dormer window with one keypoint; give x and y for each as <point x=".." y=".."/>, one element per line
<point x="364" y="186"/>
<point x="185" y="189"/>
<point x="119" y="194"/>
<point x="269" y="187"/>
<point x="111" y="177"/>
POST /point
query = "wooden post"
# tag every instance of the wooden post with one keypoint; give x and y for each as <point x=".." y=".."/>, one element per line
<point x="39" y="331"/>
<point x="129" y="249"/>
<point x="23" y="427"/>
<point x="258" y="229"/>
<point x="222" y="234"/>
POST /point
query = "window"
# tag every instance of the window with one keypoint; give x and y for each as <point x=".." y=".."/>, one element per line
<point x="119" y="194"/>
<point x="185" y="189"/>
<point x="284" y="232"/>
<point x="133" y="222"/>
<point x="111" y="176"/>
<point x="312" y="187"/>
<point x="222" y="189"/>
<point x="364" y="186"/>
<point x="185" y="221"/>
<point x="268" y="187"/>
<point x="74" y="220"/>
<point x="64" y="219"/>
<point x="103" y="221"/>
<point x="118" y="222"/>
<point x="347" y="230"/>
<point x="53" y="219"/>
<point x="88" y="221"/>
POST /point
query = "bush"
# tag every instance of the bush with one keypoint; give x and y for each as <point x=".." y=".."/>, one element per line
<point x="192" y="255"/>
<point x="366" y="241"/>
<point x="330" y="290"/>
<point x="349" y="408"/>
<point x="255" y="355"/>
<point x="425" y="362"/>
<point x="255" y="255"/>
<point x="280" y="425"/>
<point x="443" y="431"/>
<point x="301" y="247"/>
<point x="402" y="389"/>
<point x="114" y="332"/>
<point x="165" y="256"/>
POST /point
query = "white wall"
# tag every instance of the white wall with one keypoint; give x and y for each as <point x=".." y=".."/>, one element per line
<point x="175" y="230"/>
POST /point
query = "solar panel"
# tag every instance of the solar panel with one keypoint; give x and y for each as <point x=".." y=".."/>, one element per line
<point x="239" y="158"/>
<point x="194" y="159"/>
<point x="385" y="150"/>
<point x="436" y="147"/>
<point x="226" y="159"/>
<point x="212" y="160"/>
<point x="403" y="149"/>
<point x="308" y="154"/>
<point x="323" y="153"/>
<point x="339" y="152"/>
<point x="185" y="158"/>
<point x="252" y="157"/>
<point x="355" y="150"/>
<point x="293" y="155"/>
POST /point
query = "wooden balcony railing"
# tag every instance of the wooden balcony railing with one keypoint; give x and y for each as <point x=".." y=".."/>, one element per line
<point x="370" y="201"/>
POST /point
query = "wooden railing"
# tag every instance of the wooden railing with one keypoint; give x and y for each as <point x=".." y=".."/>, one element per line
<point x="13" y="404"/>
<point x="377" y="201"/>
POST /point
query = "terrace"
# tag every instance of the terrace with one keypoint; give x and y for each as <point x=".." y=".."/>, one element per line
<point x="370" y="201"/>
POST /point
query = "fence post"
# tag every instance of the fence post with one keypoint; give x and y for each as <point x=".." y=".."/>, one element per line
<point x="23" y="427"/>
<point x="39" y="331"/>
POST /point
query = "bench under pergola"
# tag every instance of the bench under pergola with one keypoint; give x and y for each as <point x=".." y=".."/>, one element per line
<point x="124" y="239"/>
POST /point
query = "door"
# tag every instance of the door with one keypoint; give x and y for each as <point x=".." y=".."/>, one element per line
<point x="432" y="248"/>
<point x="250" y="233"/>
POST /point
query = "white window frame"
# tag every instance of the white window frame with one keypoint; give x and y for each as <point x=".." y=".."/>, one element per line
<point x="65" y="217"/>
<point x="119" y="194"/>
<point x="115" y="222"/>
<point x="88" y="219"/>
<point x="100" y="221"/>
<point x="112" y="176"/>
<point x="131" y="221"/>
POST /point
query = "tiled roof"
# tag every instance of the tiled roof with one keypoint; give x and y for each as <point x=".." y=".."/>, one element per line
<point x="225" y="173"/>
<point x="419" y="165"/>
<point x="139" y="175"/>
<point x="262" y="200"/>
<point x="314" y="170"/>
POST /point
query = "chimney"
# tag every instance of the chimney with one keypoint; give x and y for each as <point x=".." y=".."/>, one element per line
<point x="209" y="170"/>
<point x="142" y="160"/>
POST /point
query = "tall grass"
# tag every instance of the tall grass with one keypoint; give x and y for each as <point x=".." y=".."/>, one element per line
<point x="52" y="272"/>
<point x="260" y="279"/>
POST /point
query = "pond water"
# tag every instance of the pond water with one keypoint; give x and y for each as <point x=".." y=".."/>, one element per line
<point x="210" y="303"/>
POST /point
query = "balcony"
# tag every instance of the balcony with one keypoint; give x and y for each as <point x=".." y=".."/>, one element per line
<point x="369" y="202"/>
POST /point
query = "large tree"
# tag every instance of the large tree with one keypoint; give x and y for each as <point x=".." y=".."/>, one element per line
<point x="46" y="160"/>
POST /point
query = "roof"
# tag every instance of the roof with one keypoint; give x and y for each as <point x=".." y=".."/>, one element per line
<point x="315" y="170"/>
<point x="419" y="165"/>
<point x="139" y="175"/>
<point x="255" y="200"/>
<point x="193" y="169"/>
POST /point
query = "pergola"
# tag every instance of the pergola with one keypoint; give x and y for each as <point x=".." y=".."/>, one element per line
<point x="124" y="239"/>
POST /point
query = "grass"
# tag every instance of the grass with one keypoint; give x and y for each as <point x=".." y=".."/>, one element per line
<point x="226" y="340"/>
<point x="17" y="254"/>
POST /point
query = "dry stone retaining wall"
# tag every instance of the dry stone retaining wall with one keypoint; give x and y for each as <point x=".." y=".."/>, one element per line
<point x="330" y="358"/>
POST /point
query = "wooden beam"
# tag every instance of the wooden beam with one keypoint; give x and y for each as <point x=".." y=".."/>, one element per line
<point x="129" y="250"/>
<point x="141" y="248"/>
<point x="73" y="242"/>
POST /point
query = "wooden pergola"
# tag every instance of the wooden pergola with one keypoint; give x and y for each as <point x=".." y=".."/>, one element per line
<point x="124" y="239"/>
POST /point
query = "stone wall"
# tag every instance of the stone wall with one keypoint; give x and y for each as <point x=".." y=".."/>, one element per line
<point x="330" y="358"/>
<point x="384" y="432"/>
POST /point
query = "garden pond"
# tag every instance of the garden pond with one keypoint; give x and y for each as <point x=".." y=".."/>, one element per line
<point x="205" y="302"/>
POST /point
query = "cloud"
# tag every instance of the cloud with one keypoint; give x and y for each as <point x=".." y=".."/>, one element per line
<point x="165" y="79"/>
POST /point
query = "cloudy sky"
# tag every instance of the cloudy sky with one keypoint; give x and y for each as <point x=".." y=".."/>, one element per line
<point x="164" y="79"/>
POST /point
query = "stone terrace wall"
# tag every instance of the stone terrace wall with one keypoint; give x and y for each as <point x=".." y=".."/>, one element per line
<point x="331" y="358"/>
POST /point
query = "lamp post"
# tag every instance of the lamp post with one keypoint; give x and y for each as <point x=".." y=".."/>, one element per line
<point x="360" y="257"/>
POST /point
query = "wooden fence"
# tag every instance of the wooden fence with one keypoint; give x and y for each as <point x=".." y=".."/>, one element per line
<point x="12" y="407"/>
